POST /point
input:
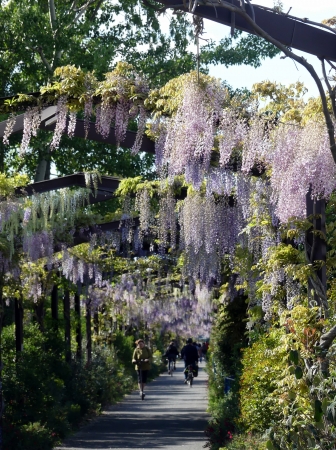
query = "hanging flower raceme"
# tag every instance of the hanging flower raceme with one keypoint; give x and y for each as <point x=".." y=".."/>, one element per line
<point x="78" y="271"/>
<point x="122" y="96"/>
<point x="31" y="123"/>
<point x="231" y="133"/>
<point x="300" y="160"/>
<point x="208" y="230"/>
<point x="185" y="139"/>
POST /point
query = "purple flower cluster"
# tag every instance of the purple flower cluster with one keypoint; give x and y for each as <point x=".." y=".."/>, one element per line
<point x="187" y="139"/>
<point x="38" y="245"/>
<point x="31" y="123"/>
<point x="61" y="122"/>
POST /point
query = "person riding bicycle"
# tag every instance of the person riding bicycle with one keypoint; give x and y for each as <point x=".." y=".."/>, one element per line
<point x="172" y="353"/>
<point x="142" y="358"/>
<point x="190" y="355"/>
<point x="188" y="369"/>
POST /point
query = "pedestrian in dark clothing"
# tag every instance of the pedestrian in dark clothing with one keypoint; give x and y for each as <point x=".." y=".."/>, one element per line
<point x="172" y="353"/>
<point x="190" y="355"/>
<point x="204" y="350"/>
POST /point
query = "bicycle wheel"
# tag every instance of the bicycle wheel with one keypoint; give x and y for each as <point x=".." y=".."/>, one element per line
<point x="171" y="367"/>
<point x="191" y="381"/>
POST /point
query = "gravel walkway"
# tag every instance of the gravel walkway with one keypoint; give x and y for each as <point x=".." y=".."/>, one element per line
<point x="172" y="417"/>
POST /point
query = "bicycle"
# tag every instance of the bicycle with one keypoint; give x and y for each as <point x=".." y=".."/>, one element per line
<point x="190" y="376"/>
<point x="170" y="367"/>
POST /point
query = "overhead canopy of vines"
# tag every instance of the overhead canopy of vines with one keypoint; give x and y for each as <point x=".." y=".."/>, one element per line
<point x="232" y="181"/>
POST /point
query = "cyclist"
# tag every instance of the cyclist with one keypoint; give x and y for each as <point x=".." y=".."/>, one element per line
<point x="188" y="369"/>
<point x="172" y="353"/>
<point x="190" y="355"/>
<point x="142" y="358"/>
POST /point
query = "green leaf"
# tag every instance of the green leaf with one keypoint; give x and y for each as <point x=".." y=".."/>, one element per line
<point x="269" y="445"/>
<point x="298" y="372"/>
<point x="294" y="356"/>
<point x="324" y="405"/>
<point x="291" y="395"/>
<point x="318" y="412"/>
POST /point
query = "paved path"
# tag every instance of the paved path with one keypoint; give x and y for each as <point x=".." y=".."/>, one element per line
<point x="172" y="417"/>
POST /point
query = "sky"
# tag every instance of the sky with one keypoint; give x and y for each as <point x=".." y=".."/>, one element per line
<point x="279" y="70"/>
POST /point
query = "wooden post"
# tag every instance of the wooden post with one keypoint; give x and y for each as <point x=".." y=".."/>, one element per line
<point x="67" y="325"/>
<point x="88" y="331"/>
<point x="54" y="305"/>
<point x="316" y="249"/>
<point x="39" y="313"/>
<point x="78" y="327"/>
<point x="18" y="326"/>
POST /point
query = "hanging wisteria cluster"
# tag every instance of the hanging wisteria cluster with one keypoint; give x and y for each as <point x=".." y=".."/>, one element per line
<point x="209" y="230"/>
<point x="186" y="140"/>
<point x="115" y="101"/>
<point x="138" y="300"/>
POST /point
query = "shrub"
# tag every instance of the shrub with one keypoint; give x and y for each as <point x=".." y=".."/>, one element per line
<point x="39" y="380"/>
<point x="246" y="441"/>
<point x="263" y="365"/>
<point x="224" y="356"/>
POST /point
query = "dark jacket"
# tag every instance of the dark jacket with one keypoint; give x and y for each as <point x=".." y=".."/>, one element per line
<point x="172" y="350"/>
<point x="189" y="353"/>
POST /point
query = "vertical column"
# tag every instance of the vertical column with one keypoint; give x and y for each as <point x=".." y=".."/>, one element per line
<point x="88" y="331"/>
<point x="54" y="306"/>
<point x="316" y="248"/>
<point x="18" y="326"/>
<point x="67" y="325"/>
<point x="78" y="327"/>
<point x="39" y="313"/>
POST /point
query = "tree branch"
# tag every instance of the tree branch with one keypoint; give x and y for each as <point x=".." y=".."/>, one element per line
<point x="57" y="57"/>
<point x="262" y="33"/>
<point x="52" y="15"/>
<point x="331" y="89"/>
<point x="161" y="10"/>
<point x="73" y="6"/>
<point x="319" y="289"/>
<point x="80" y="11"/>
<point x="39" y="50"/>
<point x="327" y="338"/>
<point x="94" y="13"/>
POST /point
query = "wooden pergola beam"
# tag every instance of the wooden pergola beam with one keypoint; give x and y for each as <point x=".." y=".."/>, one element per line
<point x="290" y="31"/>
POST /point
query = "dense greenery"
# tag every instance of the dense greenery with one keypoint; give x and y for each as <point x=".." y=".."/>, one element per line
<point x="39" y="380"/>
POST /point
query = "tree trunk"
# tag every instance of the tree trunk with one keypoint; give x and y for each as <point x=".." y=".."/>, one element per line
<point x="67" y="325"/>
<point x="41" y="171"/>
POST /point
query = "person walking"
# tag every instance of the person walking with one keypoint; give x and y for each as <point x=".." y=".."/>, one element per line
<point x="142" y="358"/>
<point x="199" y="350"/>
<point x="190" y="355"/>
<point x="204" y="349"/>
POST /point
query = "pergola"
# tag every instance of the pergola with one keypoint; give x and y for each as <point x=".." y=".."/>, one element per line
<point x="289" y="31"/>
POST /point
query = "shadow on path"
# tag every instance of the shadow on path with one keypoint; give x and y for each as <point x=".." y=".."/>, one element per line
<point x="172" y="416"/>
